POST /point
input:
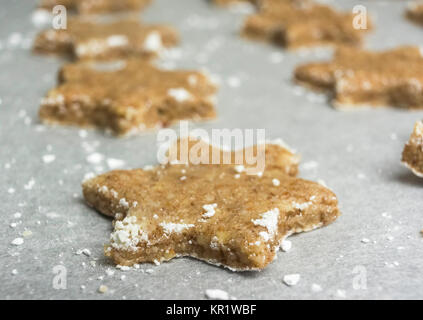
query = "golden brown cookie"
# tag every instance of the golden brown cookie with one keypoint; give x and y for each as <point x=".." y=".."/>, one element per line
<point x="412" y="156"/>
<point x="214" y="212"/>
<point x="231" y="2"/>
<point x="98" y="39"/>
<point x="127" y="96"/>
<point x="357" y="77"/>
<point x="415" y="12"/>
<point x="302" y="23"/>
<point x="96" y="6"/>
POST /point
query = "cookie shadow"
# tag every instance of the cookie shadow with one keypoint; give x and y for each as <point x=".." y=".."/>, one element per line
<point x="83" y="203"/>
<point x="407" y="177"/>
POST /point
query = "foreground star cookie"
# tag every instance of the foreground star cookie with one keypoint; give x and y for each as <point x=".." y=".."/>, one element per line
<point x="412" y="156"/>
<point x="415" y="12"/>
<point x="299" y="23"/>
<point x="127" y="96"/>
<point x="357" y="77"/>
<point x="216" y="213"/>
<point x="96" y="6"/>
<point x="85" y="39"/>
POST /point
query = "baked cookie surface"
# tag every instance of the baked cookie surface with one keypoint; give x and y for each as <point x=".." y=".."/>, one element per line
<point x="87" y="39"/>
<point x="97" y="6"/>
<point x="127" y="96"/>
<point x="412" y="155"/>
<point x="359" y="77"/>
<point x="301" y="23"/>
<point x="216" y="213"/>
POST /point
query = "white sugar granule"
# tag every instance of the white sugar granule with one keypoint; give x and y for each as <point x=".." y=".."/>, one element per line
<point x="95" y="158"/>
<point x="115" y="163"/>
<point x="301" y="206"/>
<point x="286" y="245"/>
<point x="216" y="294"/>
<point x="234" y="82"/>
<point x="269" y="220"/>
<point x="117" y="41"/>
<point x="291" y="279"/>
<point x="124" y="203"/>
<point x="179" y="94"/>
<point x="127" y="234"/>
<point x="17" y="241"/>
<point x="153" y="42"/>
<point x="41" y="17"/>
<point x="276" y="182"/>
<point x="103" y="289"/>
<point x="49" y="158"/>
<point x="316" y="287"/>
<point x="170" y="227"/>
<point x="239" y="168"/>
<point x="30" y="184"/>
<point x="210" y="210"/>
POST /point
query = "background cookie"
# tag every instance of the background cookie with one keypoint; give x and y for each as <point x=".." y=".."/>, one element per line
<point x="415" y="12"/>
<point x="127" y="96"/>
<point x="97" y="39"/>
<point x="360" y="77"/>
<point x="297" y="23"/>
<point x="412" y="155"/>
<point x="97" y="6"/>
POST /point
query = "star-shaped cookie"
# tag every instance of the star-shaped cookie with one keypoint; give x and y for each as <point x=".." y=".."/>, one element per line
<point x="105" y="39"/>
<point x="412" y="156"/>
<point x="302" y="23"/>
<point x="96" y="6"/>
<point x="359" y="77"/>
<point x="214" y="212"/>
<point x="127" y="96"/>
<point x="415" y="12"/>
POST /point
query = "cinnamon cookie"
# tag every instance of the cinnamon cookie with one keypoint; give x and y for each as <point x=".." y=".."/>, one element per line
<point x="99" y="39"/>
<point x="415" y="12"/>
<point x="357" y="77"/>
<point x="412" y="156"/>
<point x="300" y="23"/>
<point x="127" y="96"/>
<point x="96" y="6"/>
<point x="214" y="212"/>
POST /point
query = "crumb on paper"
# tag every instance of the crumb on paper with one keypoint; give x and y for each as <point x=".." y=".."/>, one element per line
<point x="341" y="293"/>
<point x="291" y="279"/>
<point x="18" y="241"/>
<point x="49" y="158"/>
<point x="103" y="289"/>
<point x="26" y="233"/>
<point x="286" y="245"/>
<point x="216" y="294"/>
<point x="316" y="287"/>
